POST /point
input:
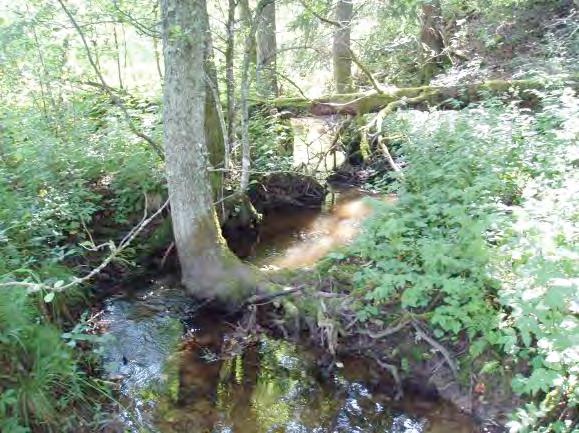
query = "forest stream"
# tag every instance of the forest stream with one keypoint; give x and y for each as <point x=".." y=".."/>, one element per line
<point x="166" y="353"/>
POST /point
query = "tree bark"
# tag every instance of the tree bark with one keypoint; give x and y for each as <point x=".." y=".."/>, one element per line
<point x="214" y="131"/>
<point x="341" y="47"/>
<point x="449" y="97"/>
<point x="208" y="268"/>
<point x="431" y="39"/>
<point x="266" y="78"/>
<point x="246" y="20"/>
<point x="244" y="102"/>
<point x="230" y="81"/>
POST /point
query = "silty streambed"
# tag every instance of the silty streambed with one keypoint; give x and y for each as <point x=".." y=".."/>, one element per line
<point x="165" y="352"/>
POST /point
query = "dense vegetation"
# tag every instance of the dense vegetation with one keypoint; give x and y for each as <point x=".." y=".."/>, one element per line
<point x="481" y="243"/>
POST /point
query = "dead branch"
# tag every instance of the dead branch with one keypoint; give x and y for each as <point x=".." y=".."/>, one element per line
<point x="386" y="153"/>
<point x="365" y="70"/>
<point x="115" y="251"/>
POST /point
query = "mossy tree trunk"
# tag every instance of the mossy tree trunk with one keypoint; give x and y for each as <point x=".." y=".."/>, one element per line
<point x="341" y="53"/>
<point x="209" y="269"/>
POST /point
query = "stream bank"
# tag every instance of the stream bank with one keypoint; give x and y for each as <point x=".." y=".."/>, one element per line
<point x="183" y="366"/>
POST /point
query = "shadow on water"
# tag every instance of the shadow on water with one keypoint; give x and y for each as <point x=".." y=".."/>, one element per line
<point x="181" y="369"/>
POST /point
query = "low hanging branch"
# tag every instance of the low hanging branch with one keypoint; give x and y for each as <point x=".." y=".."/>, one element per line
<point x="114" y="98"/>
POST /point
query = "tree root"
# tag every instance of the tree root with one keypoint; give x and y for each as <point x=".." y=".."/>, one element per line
<point x="393" y="370"/>
<point x="387" y="331"/>
<point x="421" y="334"/>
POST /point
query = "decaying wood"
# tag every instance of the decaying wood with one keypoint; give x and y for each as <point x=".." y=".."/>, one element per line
<point x="444" y="97"/>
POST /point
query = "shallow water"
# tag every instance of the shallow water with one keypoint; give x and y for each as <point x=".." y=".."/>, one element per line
<point x="213" y="381"/>
<point x="183" y="369"/>
<point x="300" y="238"/>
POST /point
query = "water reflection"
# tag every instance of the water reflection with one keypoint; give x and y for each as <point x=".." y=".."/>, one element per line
<point x="271" y="387"/>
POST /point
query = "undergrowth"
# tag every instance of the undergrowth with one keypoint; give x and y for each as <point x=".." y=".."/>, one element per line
<point x="482" y="243"/>
<point x="61" y="176"/>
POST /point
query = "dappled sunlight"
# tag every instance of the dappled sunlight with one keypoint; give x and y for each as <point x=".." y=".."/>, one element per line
<point x="303" y="246"/>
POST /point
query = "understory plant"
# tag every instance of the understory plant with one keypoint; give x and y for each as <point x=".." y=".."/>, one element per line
<point x="64" y="179"/>
<point x="481" y="243"/>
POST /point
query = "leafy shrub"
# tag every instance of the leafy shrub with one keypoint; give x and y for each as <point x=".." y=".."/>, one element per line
<point x="271" y="142"/>
<point x="56" y="176"/>
<point x="482" y="242"/>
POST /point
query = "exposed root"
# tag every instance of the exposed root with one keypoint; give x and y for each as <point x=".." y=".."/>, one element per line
<point x="266" y="298"/>
<point x="393" y="370"/>
<point x="423" y="335"/>
<point x="387" y="331"/>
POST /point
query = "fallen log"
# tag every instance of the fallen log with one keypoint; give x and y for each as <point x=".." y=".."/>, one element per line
<point x="443" y="97"/>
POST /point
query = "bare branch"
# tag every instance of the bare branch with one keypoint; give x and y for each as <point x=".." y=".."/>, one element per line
<point x="365" y="71"/>
<point x="116" y="100"/>
<point x="320" y="17"/>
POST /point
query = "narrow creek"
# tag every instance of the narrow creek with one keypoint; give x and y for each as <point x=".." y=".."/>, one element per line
<point x="164" y="350"/>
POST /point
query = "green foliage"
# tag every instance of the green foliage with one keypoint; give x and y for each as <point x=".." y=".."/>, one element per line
<point x="61" y="178"/>
<point x="271" y="141"/>
<point x="482" y="241"/>
<point x="41" y="383"/>
<point x="55" y="178"/>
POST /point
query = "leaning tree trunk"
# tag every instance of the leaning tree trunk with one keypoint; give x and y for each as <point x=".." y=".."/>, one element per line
<point x="341" y="47"/>
<point x="209" y="269"/>
<point x="266" y="52"/>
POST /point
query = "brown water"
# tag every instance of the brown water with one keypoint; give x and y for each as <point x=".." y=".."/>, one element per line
<point x="183" y="369"/>
<point x="300" y="238"/>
